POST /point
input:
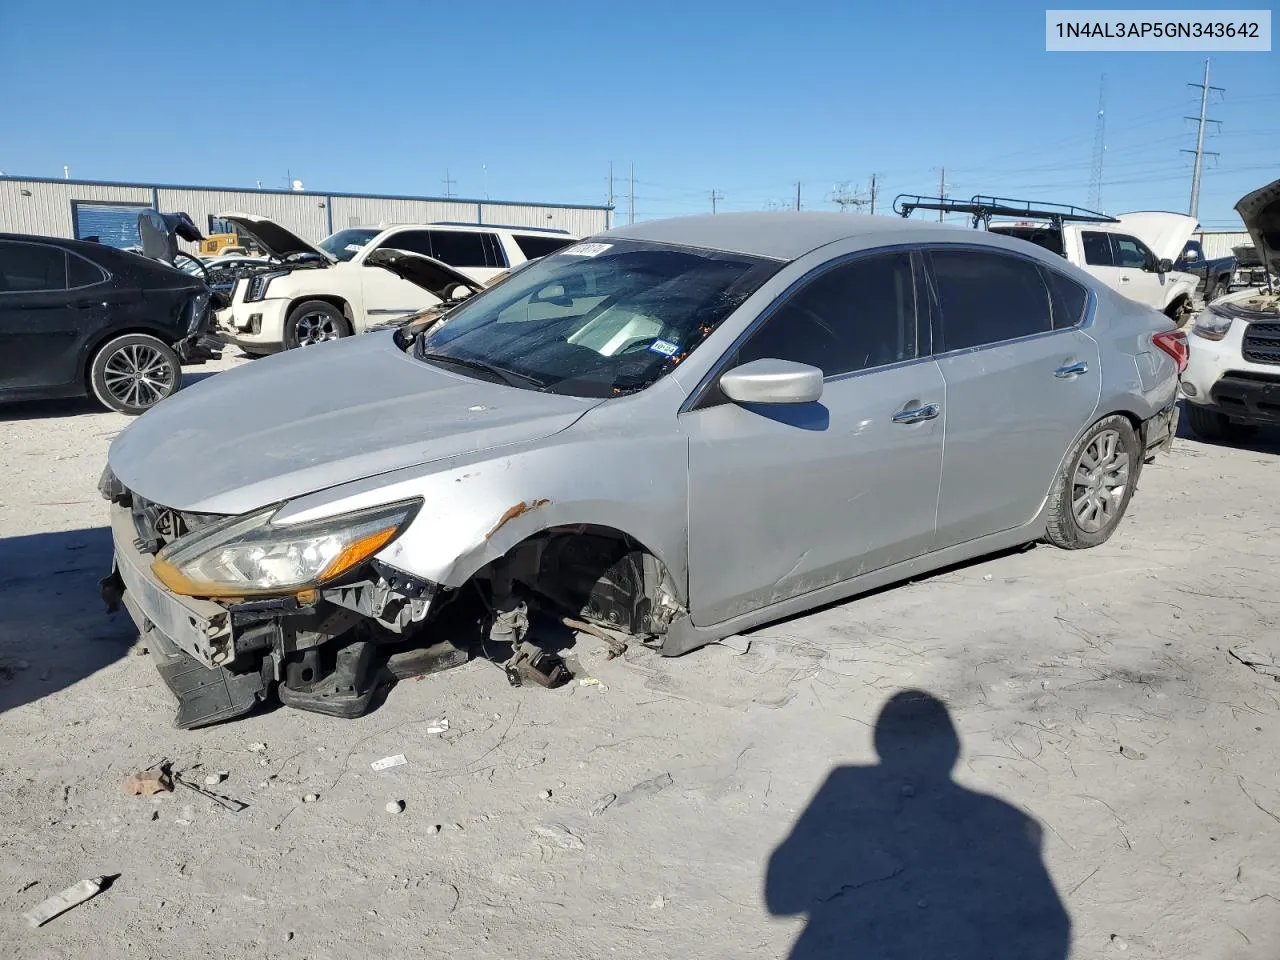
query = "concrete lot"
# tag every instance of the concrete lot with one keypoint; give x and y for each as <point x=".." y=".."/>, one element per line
<point x="1095" y="701"/>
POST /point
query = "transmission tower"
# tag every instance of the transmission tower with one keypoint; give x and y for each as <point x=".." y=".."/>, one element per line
<point x="1200" y="151"/>
<point x="844" y="197"/>
<point x="1099" y="147"/>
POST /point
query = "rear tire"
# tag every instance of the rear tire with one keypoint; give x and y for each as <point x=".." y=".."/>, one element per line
<point x="132" y="373"/>
<point x="312" y="322"/>
<point x="1094" y="488"/>
<point x="1208" y="424"/>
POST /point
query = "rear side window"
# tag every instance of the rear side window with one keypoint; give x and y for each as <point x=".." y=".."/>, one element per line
<point x="855" y="316"/>
<point x="534" y="247"/>
<point x="31" y="267"/>
<point x="82" y="273"/>
<point x="988" y="297"/>
<point x="1097" y="249"/>
<point x="460" y="248"/>
<point x="1068" y="299"/>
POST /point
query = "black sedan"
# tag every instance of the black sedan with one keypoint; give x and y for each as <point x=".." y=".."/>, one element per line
<point x="81" y="318"/>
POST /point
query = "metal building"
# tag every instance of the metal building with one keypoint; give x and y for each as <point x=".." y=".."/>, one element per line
<point x="1218" y="243"/>
<point x="109" y="210"/>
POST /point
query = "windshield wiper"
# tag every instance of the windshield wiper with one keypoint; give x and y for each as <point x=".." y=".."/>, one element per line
<point x="510" y="377"/>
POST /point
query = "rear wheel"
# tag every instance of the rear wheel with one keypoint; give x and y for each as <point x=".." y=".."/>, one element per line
<point x="312" y="322"/>
<point x="1208" y="424"/>
<point x="132" y="373"/>
<point x="1095" y="486"/>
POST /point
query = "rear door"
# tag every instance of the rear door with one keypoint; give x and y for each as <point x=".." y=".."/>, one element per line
<point x="785" y="499"/>
<point x="1019" y="388"/>
<point x="43" y="321"/>
<point x="477" y="253"/>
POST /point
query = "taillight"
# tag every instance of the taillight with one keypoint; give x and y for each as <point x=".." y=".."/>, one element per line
<point x="1174" y="343"/>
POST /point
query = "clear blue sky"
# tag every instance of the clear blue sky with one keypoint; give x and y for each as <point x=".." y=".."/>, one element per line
<point x="746" y="98"/>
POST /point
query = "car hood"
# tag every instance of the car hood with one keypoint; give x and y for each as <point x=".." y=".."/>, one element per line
<point x="1260" y="212"/>
<point x="428" y="273"/>
<point x="317" y="417"/>
<point x="1165" y="233"/>
<point x="1246" y="255"/>
<point x="275" y="240"/>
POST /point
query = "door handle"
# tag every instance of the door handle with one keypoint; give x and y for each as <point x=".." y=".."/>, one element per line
<point x="1124" y="279"/>
<point x="1071" y="370"/>
<point x="916" y="414"/>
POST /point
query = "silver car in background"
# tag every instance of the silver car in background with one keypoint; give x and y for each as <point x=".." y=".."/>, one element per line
<point x="672" y="431"/>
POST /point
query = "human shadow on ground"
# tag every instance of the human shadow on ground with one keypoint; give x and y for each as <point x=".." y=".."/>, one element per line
<point x="54" y="628"/>
<point x="896" y="860"/>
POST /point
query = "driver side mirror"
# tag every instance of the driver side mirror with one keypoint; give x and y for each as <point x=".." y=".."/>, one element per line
<point x="1163" y="266"/>
<point x="772" y="381"/>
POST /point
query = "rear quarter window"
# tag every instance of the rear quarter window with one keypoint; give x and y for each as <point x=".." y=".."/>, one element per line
<point x="1067" y="299"/>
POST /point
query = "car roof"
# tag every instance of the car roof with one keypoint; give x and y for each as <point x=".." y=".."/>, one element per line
<point x="783" y="236"/>
<point x="471" y="228"/>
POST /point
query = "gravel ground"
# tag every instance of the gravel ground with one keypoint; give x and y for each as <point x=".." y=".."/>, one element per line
<point x="1117" y="781"/>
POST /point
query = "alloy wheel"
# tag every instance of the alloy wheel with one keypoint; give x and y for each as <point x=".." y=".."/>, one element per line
<point x="1099" y="482"/>
<point x="138" y="375"/>
<point x="315" y="328"/>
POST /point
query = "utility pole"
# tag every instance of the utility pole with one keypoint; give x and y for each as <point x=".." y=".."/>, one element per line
<point x="1199" y="151"/>
<point x="873" y="194"/>
<point x="609" y="212"/>
<point x="1099" y="147"/>
<point x="797" y="194"/>
<point x="715" y="195"/>
<point x="942" y="188"/>
<point x="631" y="197"/>
<point x="448" y="182"/>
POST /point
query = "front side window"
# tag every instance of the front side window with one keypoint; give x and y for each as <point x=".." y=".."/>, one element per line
<point x="345" y="244"/>
<point x="32" y="267"/>
<point x="855" y="316"/>
<point x="1097" y="249"/>
<point x="988" y="297"/>
<point x="1131" y="252"/>
<point x="599" y="325"/>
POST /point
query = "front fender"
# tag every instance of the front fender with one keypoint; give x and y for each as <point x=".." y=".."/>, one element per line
<point x="476" y="509"/>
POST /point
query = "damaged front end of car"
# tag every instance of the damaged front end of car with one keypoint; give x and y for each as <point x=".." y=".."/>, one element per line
<point x="237" y="609"/>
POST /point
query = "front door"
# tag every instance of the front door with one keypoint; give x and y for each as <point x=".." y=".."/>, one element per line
<point x="387" y="296"/>
<point x="1019" y="391"/>
<point x="1137" y="265"/>
<point x="785" y="499"/>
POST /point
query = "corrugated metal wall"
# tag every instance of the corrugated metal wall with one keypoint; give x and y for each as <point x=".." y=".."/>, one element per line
<point x="47" y="209"/>
<point x="1219" y="243"/>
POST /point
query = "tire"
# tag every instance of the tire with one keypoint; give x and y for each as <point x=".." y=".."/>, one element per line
<point x="134" y="372"/>
<point x="312" y="322"/>
<point x="1087" y="502"/>
<point x="1179" y="311"/>
<point x="1211" y="288"/>
<point x="1208" y="424"/>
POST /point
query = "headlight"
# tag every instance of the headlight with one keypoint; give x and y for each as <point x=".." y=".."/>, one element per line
<point x="258" y="284"/>
<point x="1211" y="326"/>
<point x="249" y="556"/>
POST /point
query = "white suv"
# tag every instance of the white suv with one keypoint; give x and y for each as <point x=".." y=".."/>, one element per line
<point x="328" y="290"/>
<point x="1232" y="380"/>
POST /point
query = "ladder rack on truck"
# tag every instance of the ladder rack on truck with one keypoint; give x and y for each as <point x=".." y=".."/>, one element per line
<point x="982" y="209"/>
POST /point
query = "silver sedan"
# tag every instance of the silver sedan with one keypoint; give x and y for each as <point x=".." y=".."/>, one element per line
<point x="672" y="431"/>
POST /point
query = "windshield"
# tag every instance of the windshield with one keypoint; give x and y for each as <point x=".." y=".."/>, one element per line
<point x="599" y="319"/>
<point x="345" y="244"/>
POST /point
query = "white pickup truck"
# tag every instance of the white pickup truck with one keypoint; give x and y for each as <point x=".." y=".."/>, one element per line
<point x="1133" y="253"/>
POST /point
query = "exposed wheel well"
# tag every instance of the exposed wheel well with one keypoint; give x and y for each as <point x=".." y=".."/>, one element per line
<point x="1176" y="310"/>
<point x="331" y="299"/>
<point x="598" y="573"/>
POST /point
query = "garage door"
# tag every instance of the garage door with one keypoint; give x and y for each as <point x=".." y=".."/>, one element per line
<point x="115" y="224"/>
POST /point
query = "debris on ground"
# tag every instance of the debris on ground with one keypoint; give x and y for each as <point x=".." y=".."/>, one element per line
<point x="60" y="903"/>
<point x="545" y="794"/>
<point x="227" y="803"/>
<point x="560" y="836"/>
<point x="395" y="806"/>
<point x="147" y="783"/>
<point x="592" y="682"/>
<point x="531" y="664"/>
<point x="213" y="779"/>
<point x="434" y="828"/>
<point x="1256" y="660"/>
<point x="386" y="763"/>
<point x="658" y="902"/>
<point x="257" y="748"/>
<point x="603" y="804"/>
<point x="645" y="788"/>
<point x="440" y="726"/>
<point x="617" y="646"/>
<point x="310" y="798"/>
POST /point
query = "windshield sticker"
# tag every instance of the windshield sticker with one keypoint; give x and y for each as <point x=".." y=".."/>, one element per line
<point x="664" y="347"/>
<point x="587" y="249"/>
<point x="354" y="247"/>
